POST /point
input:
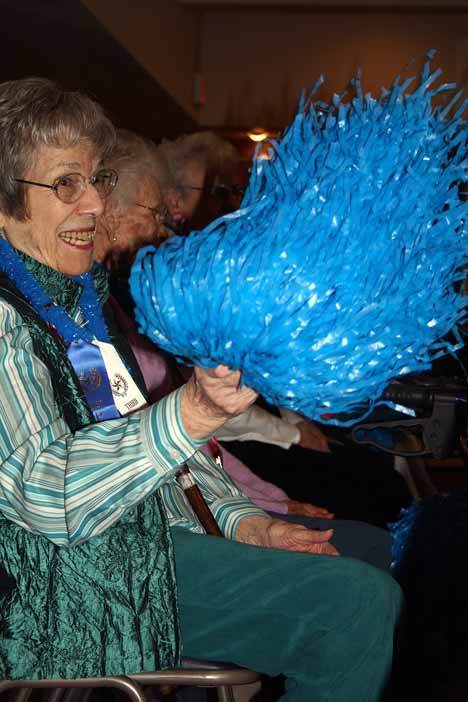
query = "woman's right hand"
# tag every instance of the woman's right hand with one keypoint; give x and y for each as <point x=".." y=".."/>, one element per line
<point x="211" y="397"/>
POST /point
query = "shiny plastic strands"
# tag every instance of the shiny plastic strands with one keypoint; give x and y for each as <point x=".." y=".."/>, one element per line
<point x="339" y="271"/>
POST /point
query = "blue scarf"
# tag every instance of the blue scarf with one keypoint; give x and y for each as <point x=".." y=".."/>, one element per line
<point x="84" y="355"/>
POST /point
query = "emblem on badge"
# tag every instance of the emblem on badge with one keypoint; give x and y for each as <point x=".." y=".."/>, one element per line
<point x="91" y="378"/>
<point x="119" y="385"/>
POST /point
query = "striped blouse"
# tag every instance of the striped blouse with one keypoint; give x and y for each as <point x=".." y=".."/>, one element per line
<point x="68" y="486"/>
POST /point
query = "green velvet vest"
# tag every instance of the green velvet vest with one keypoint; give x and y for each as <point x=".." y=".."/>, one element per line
<point x="105" y="607"/>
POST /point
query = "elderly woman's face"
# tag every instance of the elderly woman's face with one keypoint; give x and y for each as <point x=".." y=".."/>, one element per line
<point x="126" y="227"/>
<point x="184" y="202"/>
<point x="58" y="234"/>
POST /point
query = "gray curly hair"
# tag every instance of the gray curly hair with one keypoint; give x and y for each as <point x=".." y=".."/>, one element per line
<point x="215" y="154"/>
<point x="36" y="112"/>
<point x="135" y="157"/>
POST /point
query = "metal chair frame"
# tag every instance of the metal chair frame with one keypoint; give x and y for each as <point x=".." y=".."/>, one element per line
<point x="223" y="676"/>
<point x="192" y="672"/>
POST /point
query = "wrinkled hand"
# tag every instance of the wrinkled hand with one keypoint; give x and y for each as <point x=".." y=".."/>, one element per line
<point x="211" y="397"/>
<point x="275" y="533"/>
<point x="305" y="509"/>
<point x="312" y="437"/>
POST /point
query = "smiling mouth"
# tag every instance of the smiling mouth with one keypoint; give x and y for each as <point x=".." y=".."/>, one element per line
<point x="80" y="239"/>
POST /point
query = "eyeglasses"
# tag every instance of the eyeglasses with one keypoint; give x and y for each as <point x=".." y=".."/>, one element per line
<point x="159" y="213"/>
<point x="70" y="187"/>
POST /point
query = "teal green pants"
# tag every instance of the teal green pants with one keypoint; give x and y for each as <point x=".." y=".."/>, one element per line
<point x="326" y="623"/>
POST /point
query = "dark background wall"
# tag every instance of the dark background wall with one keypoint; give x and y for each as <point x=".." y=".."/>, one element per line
<point x="264" y="57"/>
<point x="63" y="40"/>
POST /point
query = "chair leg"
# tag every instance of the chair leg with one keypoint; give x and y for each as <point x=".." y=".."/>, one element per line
<point x="225" y="693"/>
<point x="55" y="695"/>
<point x="77" y="695"/>
<point x="21" y="695"/>
<point x="130" y="688"/>
<point x="421" y="477"/>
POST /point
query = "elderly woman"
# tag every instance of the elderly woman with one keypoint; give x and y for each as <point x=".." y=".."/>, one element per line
<point x="64" y="476"/>
<point x="83" y="533"/>
<point x="207" y="174"/>
<point x="139" y="215"/>
<point x="127" y="223"/>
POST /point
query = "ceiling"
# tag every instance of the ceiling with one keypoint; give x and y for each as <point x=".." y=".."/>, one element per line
<point x="323" y="4"/>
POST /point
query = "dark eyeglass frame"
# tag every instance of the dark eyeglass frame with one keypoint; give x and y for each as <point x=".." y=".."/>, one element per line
<point x="110" y="173"/>
<point x="159" y="213"/>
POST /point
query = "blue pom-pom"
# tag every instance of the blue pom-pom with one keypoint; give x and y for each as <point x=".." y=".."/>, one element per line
<point x="339" y="271"/>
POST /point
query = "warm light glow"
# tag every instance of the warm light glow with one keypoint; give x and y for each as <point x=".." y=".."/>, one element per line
<point x="264" y="152"/>
<point x="257" y="134"/>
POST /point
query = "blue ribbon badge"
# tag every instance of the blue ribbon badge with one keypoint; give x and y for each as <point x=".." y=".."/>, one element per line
<point x="87" y="360"/>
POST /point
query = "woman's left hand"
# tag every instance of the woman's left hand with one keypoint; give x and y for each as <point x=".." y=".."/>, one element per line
<point x="276" y="533"/>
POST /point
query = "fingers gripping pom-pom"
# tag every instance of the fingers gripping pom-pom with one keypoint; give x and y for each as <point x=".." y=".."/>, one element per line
<point x="338" y="272"/>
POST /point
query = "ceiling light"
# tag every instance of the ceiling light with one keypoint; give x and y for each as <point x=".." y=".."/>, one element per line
<point x="257" y="134"/>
